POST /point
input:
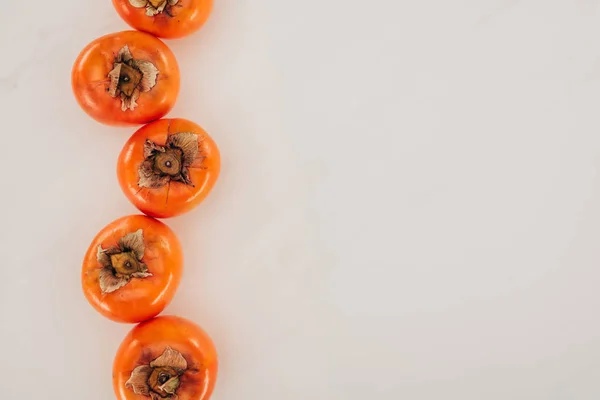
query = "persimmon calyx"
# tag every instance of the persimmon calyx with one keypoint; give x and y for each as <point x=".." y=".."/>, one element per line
<point x="160" y="378"/>
<point x="171" y="162"/>
<point x="153" y="7"/>
<point x="130" y="77"/>
<point x="122" y="263"/>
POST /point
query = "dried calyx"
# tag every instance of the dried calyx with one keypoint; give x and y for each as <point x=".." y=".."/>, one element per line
<point x="130" y="77"/>
<point x="153" y="7"/>
<point x="122" y="263"/>
<point x="161" y="378"/>
<point x="171" y="162"/>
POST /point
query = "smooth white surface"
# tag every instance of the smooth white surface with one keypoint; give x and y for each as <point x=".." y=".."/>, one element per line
<point x="409" y="206"/>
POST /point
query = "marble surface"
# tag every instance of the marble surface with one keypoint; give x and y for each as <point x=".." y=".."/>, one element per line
<point x="409" y="206"/>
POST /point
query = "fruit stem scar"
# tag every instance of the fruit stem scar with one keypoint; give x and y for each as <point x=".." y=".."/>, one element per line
<point x="122" y="263"/>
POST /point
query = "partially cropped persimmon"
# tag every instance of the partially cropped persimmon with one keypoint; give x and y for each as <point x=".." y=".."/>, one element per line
<point x="132" y="269"/>
<point x="166" y="358"/>
<point x="126" y="78"/>
<point x="165" y="18"/>
<point x="168" y="167"/>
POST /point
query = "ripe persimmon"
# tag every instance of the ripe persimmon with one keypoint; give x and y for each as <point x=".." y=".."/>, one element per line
<point x="165" y="18"/>
<point x="126" y="78"/>
<point x="168" y="167"/>
<point x="132" y="269"/>
<point x="165" y="358"/>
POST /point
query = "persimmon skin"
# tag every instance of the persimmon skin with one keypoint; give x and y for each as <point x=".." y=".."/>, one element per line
<point x="90" y="80"/>
<point x="149" y="339"/>
<point x="140" y="299"/>
<point x="176" y="198"/>
<point x="188" y="16"/>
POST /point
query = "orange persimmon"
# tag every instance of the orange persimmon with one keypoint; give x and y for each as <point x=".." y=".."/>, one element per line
<point x="165" y="358"/>
<point x="132" y="269"/>
<point x="168" y="167"/>
<point x="165" y="18"/>
<point x="126" y="78"/>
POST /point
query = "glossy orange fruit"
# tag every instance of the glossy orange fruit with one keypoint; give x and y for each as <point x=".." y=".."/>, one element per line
<point x="132" y="269"/>
<point x="165" y="358"/>
<point x="126" y="78"/>
<point x="165" y="18"/>
<point x="168" y="167"/>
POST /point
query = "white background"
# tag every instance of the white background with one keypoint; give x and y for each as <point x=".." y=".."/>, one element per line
<point x="409" y="206"/>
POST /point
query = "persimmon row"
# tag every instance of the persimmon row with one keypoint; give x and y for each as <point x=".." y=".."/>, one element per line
<point x="134" y="265"/>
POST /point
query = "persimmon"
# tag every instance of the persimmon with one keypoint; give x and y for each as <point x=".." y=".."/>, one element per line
<point x="165" y="18"/>
<point x="126" y="78"/>
<point x="166" y="358"/>
<point x="132" y="269"/>
<point x="168" y="167"/>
